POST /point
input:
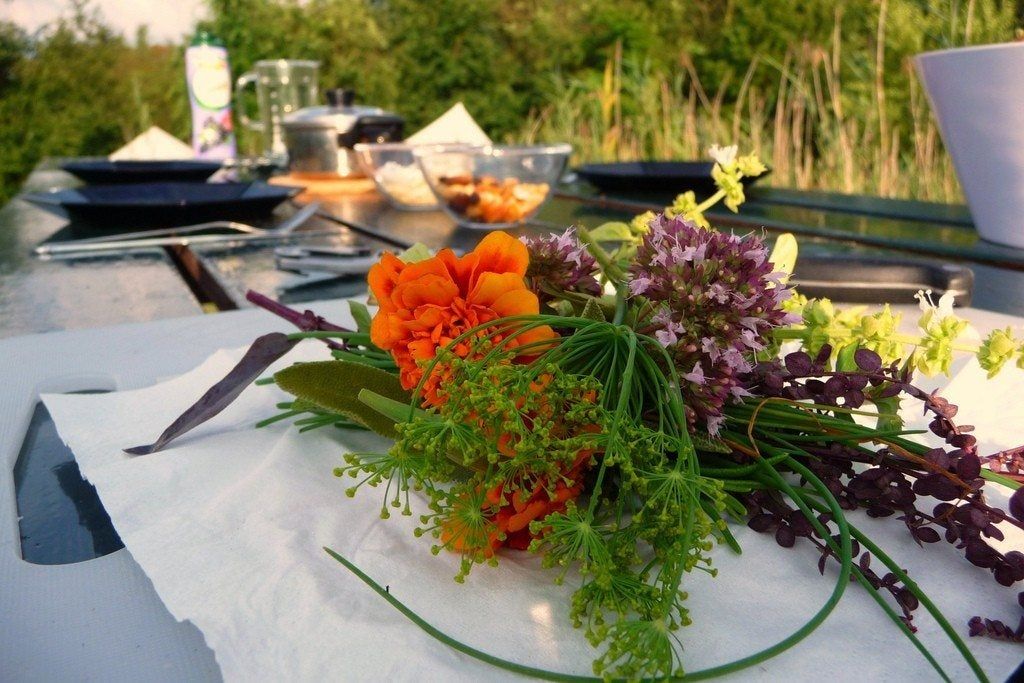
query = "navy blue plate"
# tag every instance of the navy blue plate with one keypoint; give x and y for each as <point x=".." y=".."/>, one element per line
<point x="104" y="172"/>
<point x="652" y="176"/>
<point x="144" y="205"/>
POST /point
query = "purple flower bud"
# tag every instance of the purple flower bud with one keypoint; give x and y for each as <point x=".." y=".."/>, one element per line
<point x="560" y="263"/>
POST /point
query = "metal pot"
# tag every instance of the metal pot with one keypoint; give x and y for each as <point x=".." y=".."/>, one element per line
<point x="320" y="139"/>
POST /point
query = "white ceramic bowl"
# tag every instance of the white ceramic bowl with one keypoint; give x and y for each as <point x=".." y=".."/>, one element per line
<point x="977" y="95"/>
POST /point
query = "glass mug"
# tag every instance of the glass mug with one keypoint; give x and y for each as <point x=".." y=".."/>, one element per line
<point x="282" y="87"/>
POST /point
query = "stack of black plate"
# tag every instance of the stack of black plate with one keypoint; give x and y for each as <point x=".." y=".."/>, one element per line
<point x="147" y="194"/>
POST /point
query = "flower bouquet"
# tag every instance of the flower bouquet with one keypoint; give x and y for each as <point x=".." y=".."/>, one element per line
<point x="613" y="400"/>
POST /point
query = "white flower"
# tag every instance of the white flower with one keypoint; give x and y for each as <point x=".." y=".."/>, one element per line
<point x="723" y="155"/>
<point x="934" y="313"/>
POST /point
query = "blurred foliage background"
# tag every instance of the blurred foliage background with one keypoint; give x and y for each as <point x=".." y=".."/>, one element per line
<point x="823" y="90"/>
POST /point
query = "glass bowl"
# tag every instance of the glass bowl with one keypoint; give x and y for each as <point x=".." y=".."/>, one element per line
<point x="493" y="187"/>
<point x="397" y="175"/>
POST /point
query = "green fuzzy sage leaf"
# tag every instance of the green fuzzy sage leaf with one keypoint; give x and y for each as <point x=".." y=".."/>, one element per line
<point x="361" y="314"/>
<point x="334" y="385"/>
<point x="593" y="311"/>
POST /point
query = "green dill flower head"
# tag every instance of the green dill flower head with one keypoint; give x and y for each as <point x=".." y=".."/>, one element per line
<point x="640" y="649"/>
<point x="464" y="524"/>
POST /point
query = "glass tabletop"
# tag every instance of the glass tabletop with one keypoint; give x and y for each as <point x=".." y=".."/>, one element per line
<point x="41" y="296"/>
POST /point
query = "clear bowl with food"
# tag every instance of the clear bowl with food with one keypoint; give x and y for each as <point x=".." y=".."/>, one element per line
<point x="493" y="187"/>
<point x="397" y="175"/>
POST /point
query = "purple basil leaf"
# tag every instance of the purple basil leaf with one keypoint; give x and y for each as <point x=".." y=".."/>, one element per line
<point x="1017" y="504"/>
<point x="937" y="486"/>
<point x="1015" y="559"/>
<point x="798" y="363"/>
<point x="978" y="518"/>
<point x="907" y="600"/>
<point x="762" y="522"/>
<point x="1004" y="575"/>
<point x="260" y="356"/>
<point x="784" y="536"/>
<point x="980" y="553"/>
<point x="867" y="360"/>
<point x="865" y="562"/>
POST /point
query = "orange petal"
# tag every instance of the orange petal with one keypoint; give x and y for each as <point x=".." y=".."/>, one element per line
<point x="522" y="519"/>
<point x="382" y="278"/>
<point x="499" y="252"/>
<point x="492" y="286"/>
<point x="379" y="331"/>
<point x="519" y="301"/>
<point x="460" y="269"/>
<point x="437" y="290"/>
<point x="430" y="266"/>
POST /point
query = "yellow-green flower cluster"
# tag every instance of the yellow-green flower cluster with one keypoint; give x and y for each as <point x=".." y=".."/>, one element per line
<point x="934" y="353"/>
<point x="686" y="205"/>
<point x="997" y="350"/>
<point x="730" y="169"/>
<point x="824" y="324"/>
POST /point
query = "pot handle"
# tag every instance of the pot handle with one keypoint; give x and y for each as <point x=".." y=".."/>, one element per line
<point x="244" y="81"/>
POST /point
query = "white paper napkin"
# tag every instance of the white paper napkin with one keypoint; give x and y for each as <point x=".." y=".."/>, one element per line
<point x="229" y="523"/>
<point x="455" y="125"/>
<point x="153" y="144"/>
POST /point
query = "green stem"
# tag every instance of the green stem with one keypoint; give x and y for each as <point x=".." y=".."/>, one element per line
<point x="912" y="586"/>
<point x="451" y="642"/>
<point x="846" y="568"/>
<point x="608" y="266"/>
<point x="620" y="305"/>
<point x="710" y="201"/>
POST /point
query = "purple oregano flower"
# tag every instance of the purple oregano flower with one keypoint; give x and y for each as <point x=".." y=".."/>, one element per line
<point x="716" y="299"/>
<point x="560" y="263"/>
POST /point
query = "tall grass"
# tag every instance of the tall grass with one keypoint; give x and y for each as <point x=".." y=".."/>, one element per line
<point x="815" y="130"/>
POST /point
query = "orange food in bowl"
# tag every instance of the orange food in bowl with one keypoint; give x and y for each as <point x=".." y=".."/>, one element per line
<point x="489" y="200"/>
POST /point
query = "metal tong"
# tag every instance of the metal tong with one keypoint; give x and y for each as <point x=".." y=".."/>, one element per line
<point x="182" y="235"/>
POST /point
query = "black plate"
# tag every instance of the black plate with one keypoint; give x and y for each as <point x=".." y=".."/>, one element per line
<point x="103" y="172"/>
<point x="143" y="205"/>
<point x="880" y="279"/>
<point x="652" y="176"/>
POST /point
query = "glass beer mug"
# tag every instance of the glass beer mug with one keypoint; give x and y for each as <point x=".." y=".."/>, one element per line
<point x="282" y="87"/>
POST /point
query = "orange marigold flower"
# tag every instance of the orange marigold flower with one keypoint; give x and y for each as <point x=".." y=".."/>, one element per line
<point x="425" y="305"/>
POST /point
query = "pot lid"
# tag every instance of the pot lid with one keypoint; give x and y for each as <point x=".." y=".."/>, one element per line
<point x="340" y="114"/>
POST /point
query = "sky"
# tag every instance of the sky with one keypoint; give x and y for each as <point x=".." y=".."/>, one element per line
<point x="168" y="20"/>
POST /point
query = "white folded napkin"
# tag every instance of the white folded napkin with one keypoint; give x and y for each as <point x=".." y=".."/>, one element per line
<point x="154" y="144"/>
<point x="229" y="523"/>
<point x="455" y="125"/>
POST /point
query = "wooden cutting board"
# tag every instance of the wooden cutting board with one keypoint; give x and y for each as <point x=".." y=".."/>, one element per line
<point x="324" y="187"/>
